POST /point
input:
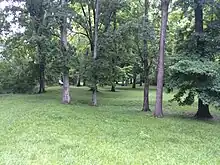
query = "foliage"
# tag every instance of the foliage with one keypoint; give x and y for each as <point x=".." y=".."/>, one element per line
<point x="194" y="70"/>
<point x="18" y="76"/>
<point x="18" y="67"/>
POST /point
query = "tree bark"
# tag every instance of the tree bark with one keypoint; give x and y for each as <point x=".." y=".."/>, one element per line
<point x="94" y="92"/>
<point x="160" y="75"/>
<point x="79" y="81"/>
<point x="134" y="80"/>
<point x="84" y="82"/>
<point x="94" y="96"/>
<point x="66" y="89"/>
<point x="64" y="47"/>
<point x="126" y="82"/>
<point x="123" y="82"/>
<point x="37" y="13"/>
<point x="141" y="80"/>
<point x="146" y="106"/>
<point x="41" y="79"/>
<point x="113" y="88"/>
<point x="145" y="61"/>
<point x="203" y="109"/>
<point x="41" y="68"/>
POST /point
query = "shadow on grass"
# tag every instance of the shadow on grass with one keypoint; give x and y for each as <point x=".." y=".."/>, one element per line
<point x="191" y="116"/>
<point x="153" y="88"/>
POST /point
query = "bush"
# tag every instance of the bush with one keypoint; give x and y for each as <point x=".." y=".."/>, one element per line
<point x="17" y="77"/>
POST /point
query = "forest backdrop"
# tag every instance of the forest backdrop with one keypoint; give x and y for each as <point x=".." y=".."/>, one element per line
<point x="173" y="44"/>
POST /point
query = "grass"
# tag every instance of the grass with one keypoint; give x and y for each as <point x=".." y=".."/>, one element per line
<point x="38" y="130"/>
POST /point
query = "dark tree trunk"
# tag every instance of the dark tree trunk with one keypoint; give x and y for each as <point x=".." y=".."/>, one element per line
<point x="123" y="82"/>
<point x="36" y="17"/>
<point x="41" y="68"/>
<point x="42" y="79"/>
<point x="84" y="82"/>
<point x="131" y="81"/>
<point x="145" y="62"/>
<point x="113" y="88"/>
<point x="146" y="106"/>
<point x="141" y="80"/>
<point x="79" y="81"/>
<point x="134" y="81"/>
<point x="160" y="76"/>
<point x="203" y="109"/>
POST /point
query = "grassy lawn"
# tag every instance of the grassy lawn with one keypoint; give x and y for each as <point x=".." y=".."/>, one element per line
<point x="38" y="130"/>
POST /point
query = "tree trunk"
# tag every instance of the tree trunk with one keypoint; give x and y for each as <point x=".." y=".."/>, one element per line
<point x="203" y="109"/>
<point x="84" y="82"/>
<point x="94" y="96"/>
<point x="94" y="91"/>
<point x="134" y="81"/>
<point x="36" y="18"/>
<point x="66" y="93"/>
<point x="123" y="82"/>
<point x="41" y="68"/>
<point x="141" y="80"/>
<point x="79" y="81"/>
<point x="145" y="61"/>
<point x="42" y="79"/>
<point x="160" y="75"/>
<point x="131" y="81"/>
<point x="113" y="87"/>
<point x="126" y="82"/>
<point x="146" y="106"/>
<point x="64" y="47"/>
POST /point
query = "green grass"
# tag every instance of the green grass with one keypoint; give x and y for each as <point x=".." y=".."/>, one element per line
<point x="38" y="130"/>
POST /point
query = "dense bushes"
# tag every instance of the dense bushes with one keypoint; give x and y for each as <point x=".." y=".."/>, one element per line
<point x="18" y="76"/>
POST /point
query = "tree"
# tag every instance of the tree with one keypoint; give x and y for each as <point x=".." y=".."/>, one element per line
<point x="145" y="61"/>
<point x="203" y="109"/>
<point x="194" y="70"/>
<point x="94" y="88"/>
<point x="64" y="50"/>
<point x="160" y="75"/>
<point x="37" y="12"/>
<point x="143" y="45"/>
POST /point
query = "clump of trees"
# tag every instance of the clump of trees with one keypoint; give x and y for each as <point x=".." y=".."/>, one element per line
<point x="101" y="42"/>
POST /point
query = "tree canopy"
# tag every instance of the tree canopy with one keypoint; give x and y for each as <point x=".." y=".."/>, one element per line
<point x="106" y="43"/>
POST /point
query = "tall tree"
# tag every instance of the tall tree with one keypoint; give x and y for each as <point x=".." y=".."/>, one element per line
<point x="145" y="60"/>
<point x="64" y="50"/>
<point x="160" y="75"/>
<point x="203" y="109"/>
<point x="37" y="12"/>
<point x="195" y="71"/>
<point x="94" y="88"/>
